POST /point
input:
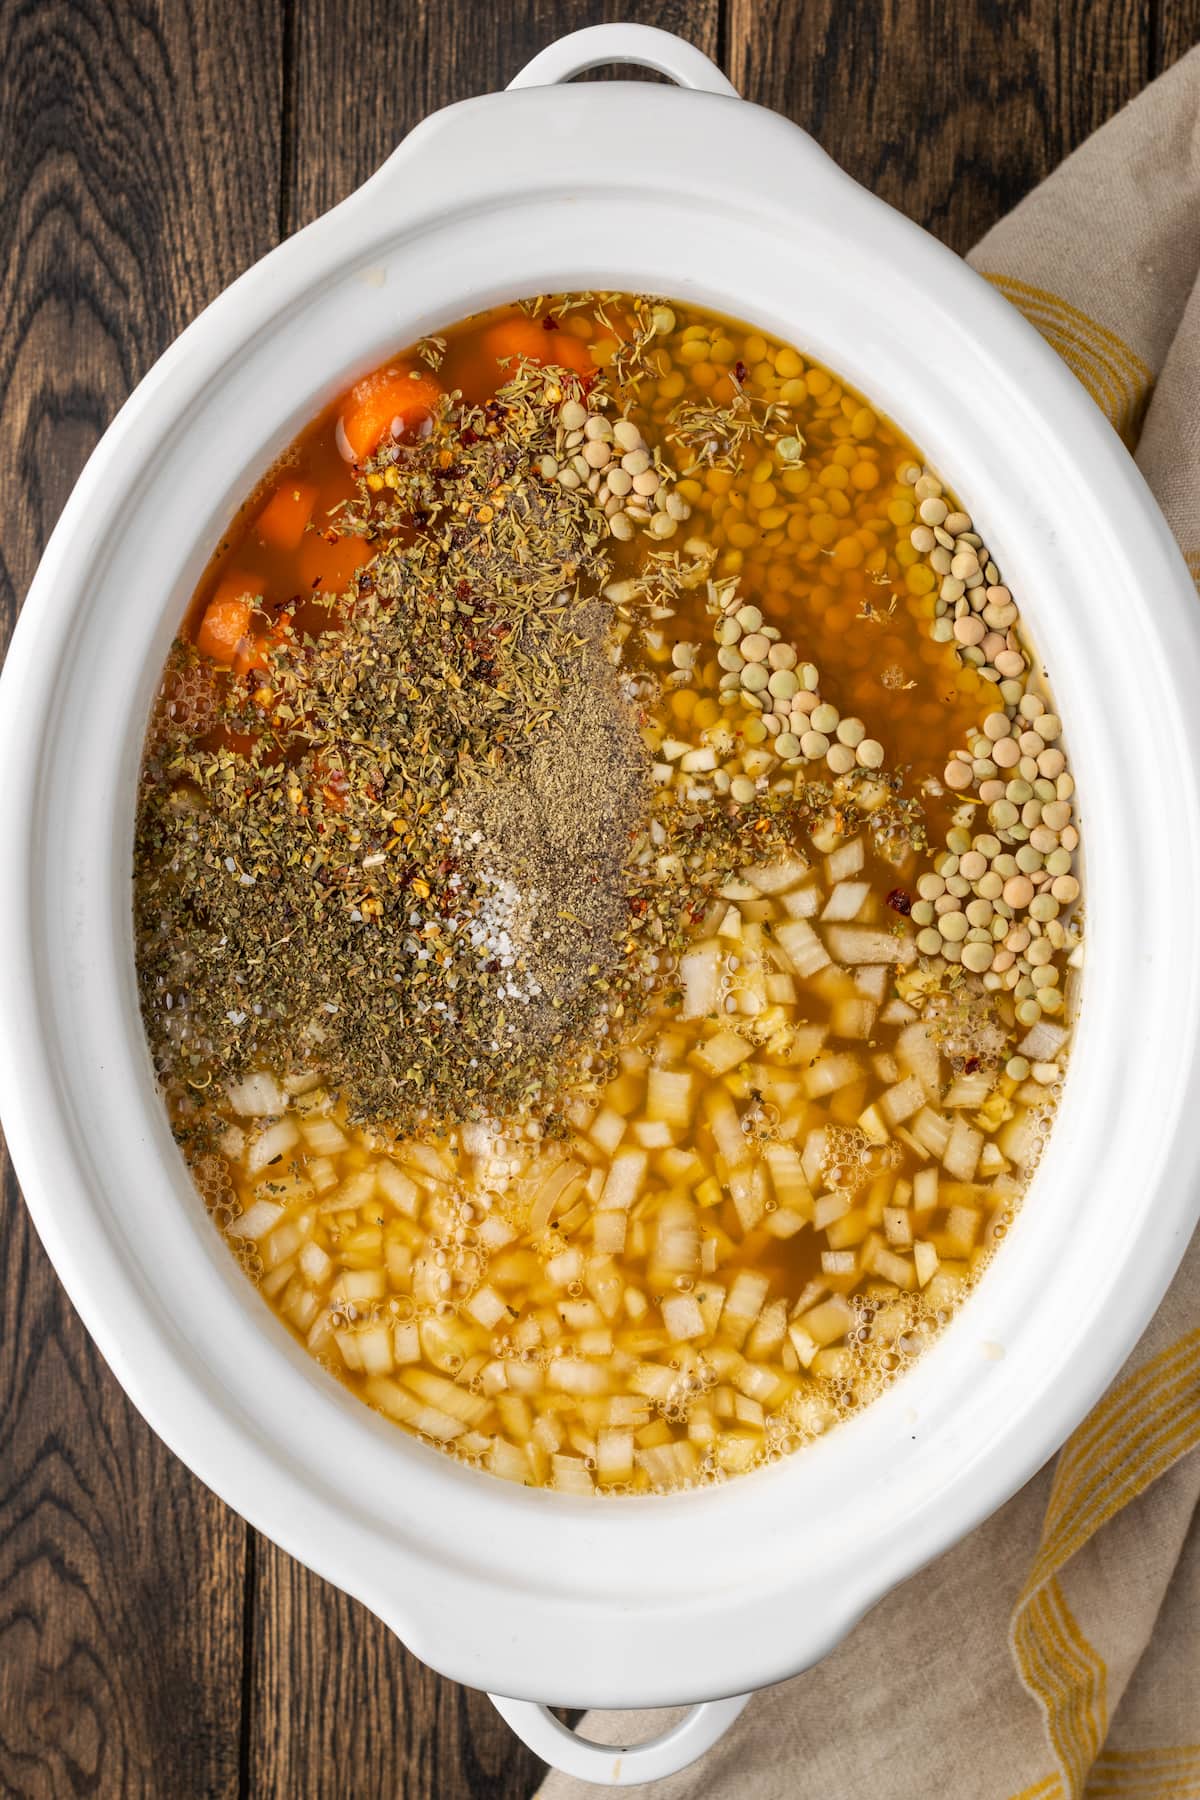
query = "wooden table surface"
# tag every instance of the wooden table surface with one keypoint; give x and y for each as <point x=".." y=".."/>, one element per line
<point x="150" y="1642"/>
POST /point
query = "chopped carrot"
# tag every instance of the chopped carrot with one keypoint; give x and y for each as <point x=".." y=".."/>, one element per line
<point x="226" y="618"/>
<point x="224" y="625"/>
<point x="328" y="568"/>
<point x="528" y="337"/>
<point x="282" y="520"/>
<point x="375" y="404"/>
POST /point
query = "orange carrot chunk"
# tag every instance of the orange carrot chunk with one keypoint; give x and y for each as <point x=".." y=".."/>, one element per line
<point x="224" y="625"/>
<point x="226" y="618"/>
<point x="529" y="338"/>
<point x="282" y="520"/>
<point x="390" y="400"/>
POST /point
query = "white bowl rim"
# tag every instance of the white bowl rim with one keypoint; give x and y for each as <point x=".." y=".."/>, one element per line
<point x="482" y="1580"/>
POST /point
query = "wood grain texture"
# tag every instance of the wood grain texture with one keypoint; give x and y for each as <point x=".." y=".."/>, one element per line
<point x="122" y="212"/>
<point x="950" y="112"/>
<point x="120" y="1576"/>
<point x="1174" y="30"/>
<point x="340" y="1708"/>
<point x="421" y="57"/>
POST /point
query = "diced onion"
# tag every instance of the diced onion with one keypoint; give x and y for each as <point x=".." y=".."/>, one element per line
<point x="802" y="947"/>
<point x="257" y="1220"/>
<point x="625" y="1176"/>
<point x="257" y="1096"/>
<point x="961" y="1155"/>
<point x="845" y="901"/>
<point x="865" y="944"/>
<point x="846" y="860"/>
<point x="721" y="1052"/>
<point x="270" y="1145"/>
<point x="777" y="877"/>
<point x="700" y="974"/>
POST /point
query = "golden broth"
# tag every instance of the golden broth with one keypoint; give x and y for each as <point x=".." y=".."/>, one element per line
<point x="808" y="1119"/>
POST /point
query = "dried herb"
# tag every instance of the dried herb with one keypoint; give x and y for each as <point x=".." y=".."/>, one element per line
<point x="715" y="434"/>
<point x="420" y="850"/>
<point x="432" y="350"/>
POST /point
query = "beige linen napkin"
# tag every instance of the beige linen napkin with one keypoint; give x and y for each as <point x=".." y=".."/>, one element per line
<point x="1055" y="1654"/>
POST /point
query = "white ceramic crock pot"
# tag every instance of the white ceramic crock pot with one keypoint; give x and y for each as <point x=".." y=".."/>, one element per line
<point x="531" y="1594"/>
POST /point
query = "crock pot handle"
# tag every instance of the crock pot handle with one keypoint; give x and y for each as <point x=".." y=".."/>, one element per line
<point x="643" y="45"/>
<point x="619" y="1765"/>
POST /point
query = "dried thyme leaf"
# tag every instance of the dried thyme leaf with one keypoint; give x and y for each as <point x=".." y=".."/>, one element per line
<point x="432" y="350"/>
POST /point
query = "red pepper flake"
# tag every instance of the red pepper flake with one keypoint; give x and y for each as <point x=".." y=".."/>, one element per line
<point x="900" y="902"/>
<point x="549" y="323"/>
<point x="740" y="372"/>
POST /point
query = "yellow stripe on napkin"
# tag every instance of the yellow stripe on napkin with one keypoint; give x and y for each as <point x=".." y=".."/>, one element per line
<point x="1066" y="1677"/>
<point x="1137" y="1431"/>
<point x="1114" y="375"/>
<point x="1142" y="1426"/>
<point x="1172" y="1773"/>
<point x="1049" y="1789"/>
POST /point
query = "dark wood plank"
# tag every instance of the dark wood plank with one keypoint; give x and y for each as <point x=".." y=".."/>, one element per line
<point x="123" y="210"/>
<point x="339" y="1707"/>
<point x="1175" y="30"/>
<point x="951" y="113"/>
<point x="120" y="1575"/>
<point x="419" y="57"/>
